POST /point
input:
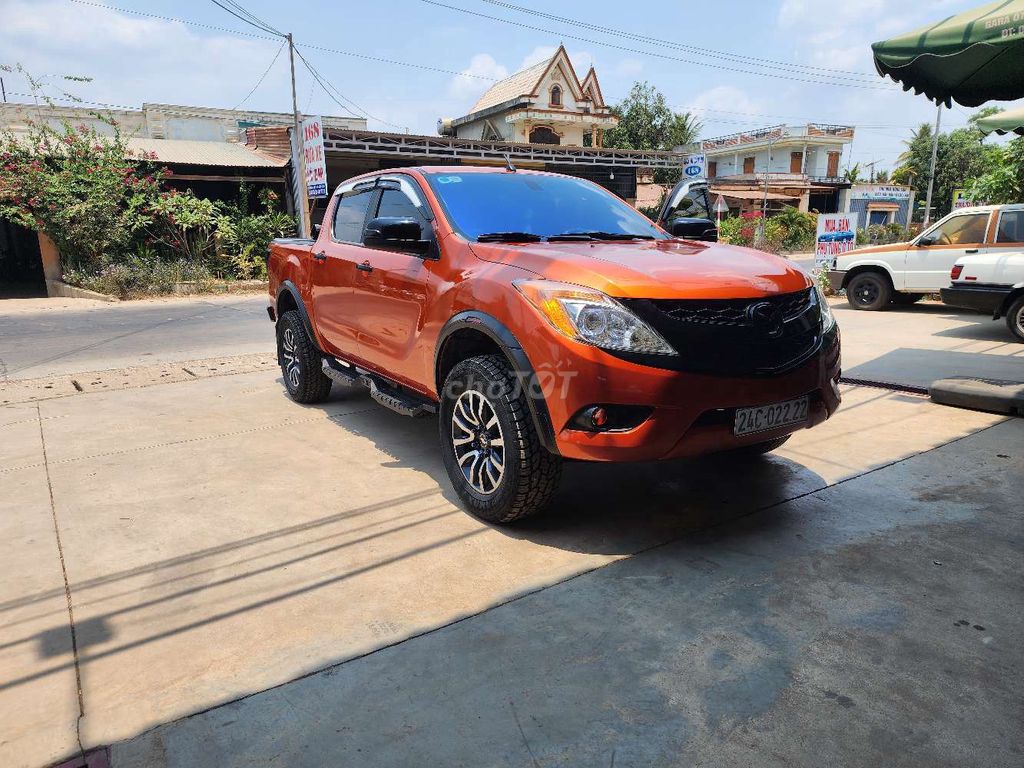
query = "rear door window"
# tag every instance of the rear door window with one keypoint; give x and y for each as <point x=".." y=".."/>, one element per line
<point x="1011" y="227"/>
<point x="350" y="215"/>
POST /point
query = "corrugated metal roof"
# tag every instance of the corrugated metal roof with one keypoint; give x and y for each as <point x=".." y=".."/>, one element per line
<point x="212" y="153"/>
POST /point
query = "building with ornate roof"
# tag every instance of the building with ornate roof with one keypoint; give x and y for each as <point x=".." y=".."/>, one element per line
<point x="543" y="104"/>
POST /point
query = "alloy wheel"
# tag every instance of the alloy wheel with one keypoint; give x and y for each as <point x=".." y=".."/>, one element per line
<point x="478" y="442"/>
<point x="291" y="358"/>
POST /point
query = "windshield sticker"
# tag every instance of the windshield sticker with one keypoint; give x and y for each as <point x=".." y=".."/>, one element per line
<point x="448" y="179"/>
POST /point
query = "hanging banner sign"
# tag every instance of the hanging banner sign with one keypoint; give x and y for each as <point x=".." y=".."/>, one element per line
<point x="694" y="166"/>
<point x="837" y="234"/>
<point x="313" y="157"/>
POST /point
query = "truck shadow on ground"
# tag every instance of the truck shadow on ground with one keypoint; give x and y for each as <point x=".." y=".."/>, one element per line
<point x="603" y="508"/>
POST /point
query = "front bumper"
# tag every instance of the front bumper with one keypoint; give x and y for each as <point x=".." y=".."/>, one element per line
<point x="981" y="298"/>
<point x="692" y="413"/>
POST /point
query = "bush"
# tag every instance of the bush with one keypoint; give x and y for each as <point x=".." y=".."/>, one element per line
<point x="882" y="234"/>
<point x="801" y="229"/>
<point x="141" y="274"/>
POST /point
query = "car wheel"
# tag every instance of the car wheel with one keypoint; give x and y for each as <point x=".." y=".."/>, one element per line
<point x="868" y="290"/>
<point x="1015" y="318"/>
<point x="906" y="299"/>
<point x="489" y="444"/>
<point x="300" y="361"/>
<point x="758" y="449"/>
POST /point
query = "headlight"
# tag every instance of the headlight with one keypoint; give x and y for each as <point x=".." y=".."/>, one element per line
<point x="827" y="318"/>
<point x="592" y="317"/>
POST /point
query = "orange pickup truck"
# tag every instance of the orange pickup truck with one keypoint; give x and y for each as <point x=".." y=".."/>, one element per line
<point x="543" y="319"/>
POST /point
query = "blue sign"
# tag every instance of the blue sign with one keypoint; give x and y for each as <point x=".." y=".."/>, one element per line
<point x="318" y="190"/>
<point x="693" y="166"/>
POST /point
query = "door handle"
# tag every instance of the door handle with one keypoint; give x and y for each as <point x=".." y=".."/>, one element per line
<point x="971" y="250"/>
<point x="321" y="256"/>
<point x="364" y="267"/>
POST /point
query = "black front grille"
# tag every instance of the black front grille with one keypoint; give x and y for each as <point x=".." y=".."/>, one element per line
<point x="733" y="336"/>
<point x="733" y="312"/>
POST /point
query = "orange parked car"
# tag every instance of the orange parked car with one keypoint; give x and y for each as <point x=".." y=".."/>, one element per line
<point x="544" y="319"/>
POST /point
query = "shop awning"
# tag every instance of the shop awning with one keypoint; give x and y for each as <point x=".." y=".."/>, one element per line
<point x="970" y="58"/>
<point x="883" y="206"/>
<point x="752" y="195"/>
<point x="1012" y="120"/>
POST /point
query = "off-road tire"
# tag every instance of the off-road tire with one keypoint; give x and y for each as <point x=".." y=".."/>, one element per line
<point x="906" y="299"/>
<point x="1015" y="318"/>
<point x="757" y="449"/>
<point x="304" y="378"/>
<point x="531" y="473"/>
<point x="869" y="291"/>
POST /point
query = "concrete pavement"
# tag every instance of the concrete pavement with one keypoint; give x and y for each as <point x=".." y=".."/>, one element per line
<point x="218" y="540"/>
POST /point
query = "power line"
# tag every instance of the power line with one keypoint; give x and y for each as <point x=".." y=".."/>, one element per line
<point x="335" y="94"/>
<point x="262" y="77"/>
<point x="171" y="18"/>
<point x="725" y="55"/>
<point x="247" y="17"/>
<point x="832" y="82"/>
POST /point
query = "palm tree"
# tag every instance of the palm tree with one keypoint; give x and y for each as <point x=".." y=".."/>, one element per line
<point x="853" y="173"/>
<point x="882" y="177"/>
<point x="920" y="135"/>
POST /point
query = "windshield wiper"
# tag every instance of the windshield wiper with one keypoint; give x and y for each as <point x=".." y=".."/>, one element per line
<point x="508" y="237"/>
<point x="597" y="235"/>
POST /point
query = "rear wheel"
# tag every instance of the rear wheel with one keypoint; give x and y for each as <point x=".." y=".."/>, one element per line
<point x="489" y="444"/>
<point x="1015" y="318"/>
<point x="869" y="290"/>
<point x="301" y="362"/>
<point x="906" y="299"/>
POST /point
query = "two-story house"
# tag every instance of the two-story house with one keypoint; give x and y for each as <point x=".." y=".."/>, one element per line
<point x="543" y="104"/>
<point x="802" y="165"/>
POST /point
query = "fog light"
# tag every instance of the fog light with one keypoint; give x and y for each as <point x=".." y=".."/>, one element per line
<point x="598" y="416"/>
<point x="609" y="418"/>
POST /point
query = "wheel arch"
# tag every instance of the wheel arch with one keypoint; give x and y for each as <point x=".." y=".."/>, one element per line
<point x="862" y="267"/>
<point x="1012" y="296"/>
<point x="289" y="298"/>
<point x="470" y="333"/>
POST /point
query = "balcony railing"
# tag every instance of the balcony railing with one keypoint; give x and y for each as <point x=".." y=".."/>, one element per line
<point x="778" y="132"/>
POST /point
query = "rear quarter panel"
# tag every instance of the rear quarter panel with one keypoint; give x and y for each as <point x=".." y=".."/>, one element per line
<point x="287" y="260"/>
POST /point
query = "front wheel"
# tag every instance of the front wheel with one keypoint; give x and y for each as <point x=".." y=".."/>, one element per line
<point x="489" y="443"/>
<point x="868" y="290"/>
<point x="1015" y="318"/>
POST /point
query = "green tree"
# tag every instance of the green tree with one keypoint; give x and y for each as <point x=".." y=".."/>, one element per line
<point x="882" y="177"/>
<point x="853" y="173"/>
<point x="647" y="122"/>
<point x="1004" y="182"/>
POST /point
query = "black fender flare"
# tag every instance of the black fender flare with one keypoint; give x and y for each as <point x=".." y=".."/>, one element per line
<point x="521" y="366"/>
<point x="287" y="286"/>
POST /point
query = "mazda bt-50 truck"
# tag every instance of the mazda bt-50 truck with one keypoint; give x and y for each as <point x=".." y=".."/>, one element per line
<point x="543" y="319"/>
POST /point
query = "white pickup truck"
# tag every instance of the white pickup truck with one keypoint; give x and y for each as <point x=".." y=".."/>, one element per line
<point x="992" y="283"/>
<point x="902" y="273"/>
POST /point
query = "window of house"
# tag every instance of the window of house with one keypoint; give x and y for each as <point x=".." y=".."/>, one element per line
<point x="544" y="135"/>
<point x="1011" y="227"/>
<point x="960" y="230"/>
<point x="350" y="215"/>
<point x="748" y="165"/>
<point x="556" y="96"/>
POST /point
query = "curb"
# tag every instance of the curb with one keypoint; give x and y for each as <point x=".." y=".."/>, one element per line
<point x="980" y="395"/>
<point x="56" y="288"/>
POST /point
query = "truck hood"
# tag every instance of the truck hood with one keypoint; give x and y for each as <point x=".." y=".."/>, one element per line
<point x="654" y="269"/>
<point x="869" y="249"/>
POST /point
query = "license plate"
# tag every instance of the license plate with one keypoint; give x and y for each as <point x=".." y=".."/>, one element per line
<point x="765" y="417"/>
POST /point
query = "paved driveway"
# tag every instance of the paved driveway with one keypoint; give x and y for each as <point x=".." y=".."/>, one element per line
<point x="221" y="544"/>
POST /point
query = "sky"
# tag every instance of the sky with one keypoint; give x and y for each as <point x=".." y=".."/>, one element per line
<point x="736" y="65"/>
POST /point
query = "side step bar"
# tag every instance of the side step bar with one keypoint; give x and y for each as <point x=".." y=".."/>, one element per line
<point x="384" y="392"/>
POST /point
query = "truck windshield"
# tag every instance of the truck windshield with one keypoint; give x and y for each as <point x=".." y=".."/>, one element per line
<point x="525" y="206"/>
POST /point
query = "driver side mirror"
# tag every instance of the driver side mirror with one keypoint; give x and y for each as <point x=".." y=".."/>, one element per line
<point x="395" y="233"/>
<point x="930" y="239"/>
<point x="694" y="229"/>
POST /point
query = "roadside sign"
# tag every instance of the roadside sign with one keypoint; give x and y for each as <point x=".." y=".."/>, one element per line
<point x="313" y="156"/>
<point x="837" y="234"/>
<point x="720" y="205"/>
<point x="961" y="200"/>
<point x="693" y="166"/>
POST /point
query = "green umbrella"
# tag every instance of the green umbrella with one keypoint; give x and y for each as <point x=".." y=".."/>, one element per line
<point x="1004" y="122"/>
<point x="973" y="57"/>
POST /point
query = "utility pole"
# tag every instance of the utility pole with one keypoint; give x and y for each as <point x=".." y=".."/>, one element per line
<point x="931" y="173"/>
<point x="763" y="232"/>
<point x="300" y="164"/>
<point x="3" y="90"/>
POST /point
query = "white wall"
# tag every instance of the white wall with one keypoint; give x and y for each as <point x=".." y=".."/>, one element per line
<point x="730" y="163"/>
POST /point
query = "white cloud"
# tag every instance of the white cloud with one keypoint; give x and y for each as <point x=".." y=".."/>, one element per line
<point x="471" y="83"/>
<point x="118" y="51"/>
